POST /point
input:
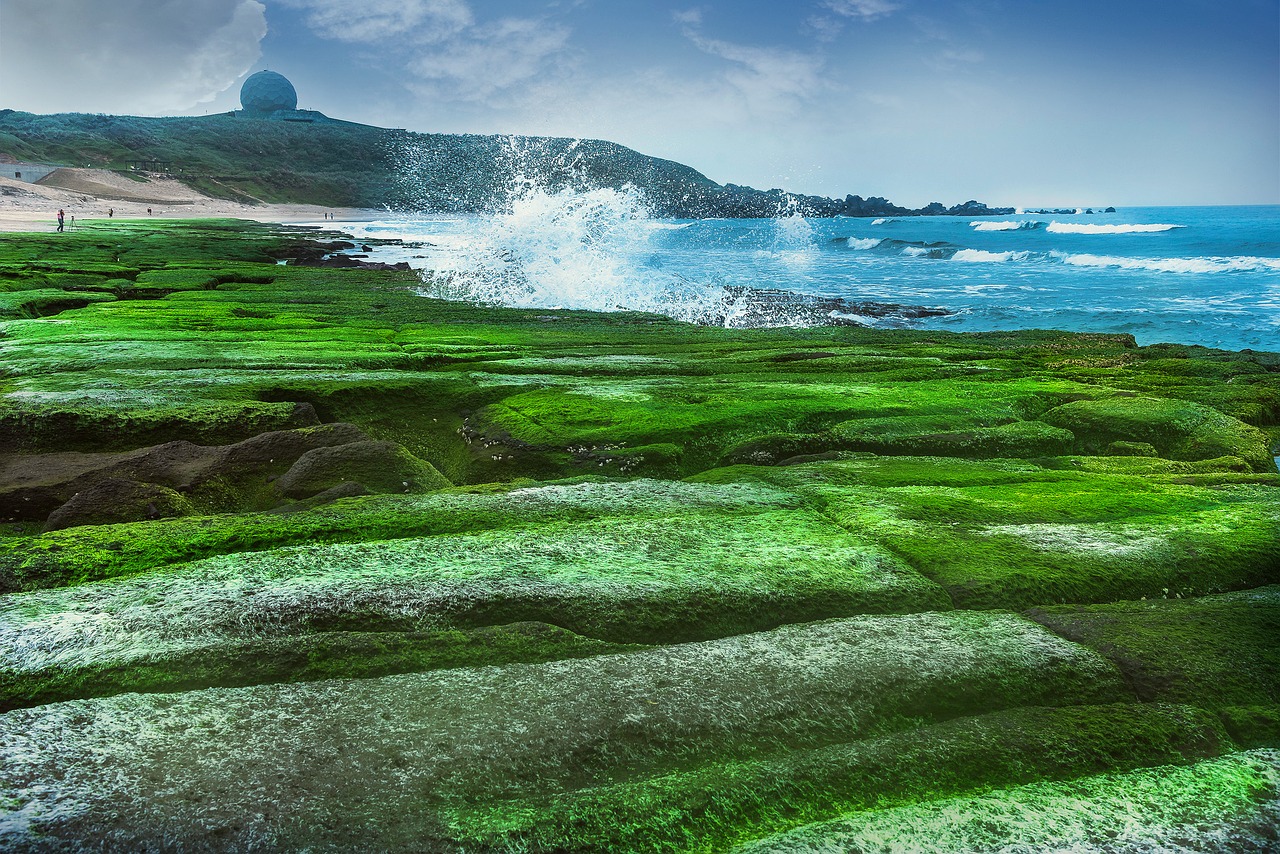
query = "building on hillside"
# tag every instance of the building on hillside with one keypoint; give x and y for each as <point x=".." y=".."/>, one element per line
<point x="29" y="172"/>
<point x="268" y="95"/>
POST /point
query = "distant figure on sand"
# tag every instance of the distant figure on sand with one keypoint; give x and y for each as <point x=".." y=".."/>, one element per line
<point x="111" y="211"/>
<point x="61" y="218"/>
<point x="148" y="211"/>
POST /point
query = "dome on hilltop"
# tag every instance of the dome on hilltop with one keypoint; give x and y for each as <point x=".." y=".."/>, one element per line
<point x="266" y="92"/>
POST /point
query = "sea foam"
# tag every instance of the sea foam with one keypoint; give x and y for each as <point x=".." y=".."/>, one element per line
<point x="1097" y="228"/>
<point x="981" y="256"/>
<point x="864" y="242"/>
<point x="1236" y="264"/>
<point x="1011" y="225"/>
<point x="598" y="250"/>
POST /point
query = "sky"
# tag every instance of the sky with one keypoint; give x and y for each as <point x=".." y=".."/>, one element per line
<point x="1011" y="102"/>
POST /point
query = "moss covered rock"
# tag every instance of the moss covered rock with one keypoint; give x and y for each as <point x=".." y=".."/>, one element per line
<point x="1214" y="651"/>
<point x="1179" y="430"/>
<point x="693" y="587"/>
<point x="116" y="500"/>
<point x="378" y="466"/>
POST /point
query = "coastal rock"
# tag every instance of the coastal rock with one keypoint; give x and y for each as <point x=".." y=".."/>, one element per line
<point x="348" y="262"/>
<point x="1178" y="430"/>
<point x="115" y="500"/>
<point x="877" y="207"/>
<point x="377" y="466"/>
<point x="281" y="446"/>
<point x="32" y="486"/>
<point x="769" y="306"/>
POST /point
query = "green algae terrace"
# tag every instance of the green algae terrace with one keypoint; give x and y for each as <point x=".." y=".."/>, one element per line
<point x="292" y="558"/>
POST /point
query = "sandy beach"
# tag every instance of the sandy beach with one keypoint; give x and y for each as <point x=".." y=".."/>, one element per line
<point x="91" y="194"/>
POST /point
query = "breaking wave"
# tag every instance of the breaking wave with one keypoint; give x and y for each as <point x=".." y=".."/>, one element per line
<point x="1236" y="264"/>
<point x="1097" y="228"/>
<point x="1013" y="225"/>
<point x="863" y="242"/>
<point x="942" y="251"/>
<point x="568" y="249"/>
<point x="595" y="250"/>
<point x="981" y="256"/>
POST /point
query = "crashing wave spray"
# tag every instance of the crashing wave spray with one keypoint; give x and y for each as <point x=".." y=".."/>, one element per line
<point x="568" y="249"/>
<point x="555" y="241"/>
<point x="793" y="238"/>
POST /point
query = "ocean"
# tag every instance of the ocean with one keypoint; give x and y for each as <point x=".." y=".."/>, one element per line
<point x="1188" y="275"/>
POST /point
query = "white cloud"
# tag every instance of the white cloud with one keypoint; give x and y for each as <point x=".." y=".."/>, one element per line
<point x="822" y="27"/>
<point x="377" y="20"/>
<point x="867" y="10"/>
<point x="772" y="82"/>
<point x="147" y="57"/>
<point x="688" y="17"/>
<point x="958" y="56"/>
<point x="448" y="53"/>
<point x="488" y="60"/>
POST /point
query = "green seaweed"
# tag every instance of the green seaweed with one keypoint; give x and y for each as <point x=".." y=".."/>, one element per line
<point x="1221" y="804"/>
<point x="1213" y="651"/>
<point x="713" y="807"/>
<point x="599" y="637"/>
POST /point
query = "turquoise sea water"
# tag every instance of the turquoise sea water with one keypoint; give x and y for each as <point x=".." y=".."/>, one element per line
<point x="1192" y="275"/>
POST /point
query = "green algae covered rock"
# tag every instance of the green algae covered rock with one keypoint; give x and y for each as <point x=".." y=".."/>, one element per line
<point x="45" y="302"/>
<point x="318" y="750"/>
<point x="1014" y="534"/>
<point x="626" y="584"/>
<point x="38" y="425"/>
<point x="623" y="580"/>
<point x="116" y="500"/>
<point x="87" y="554"/>
<point x="1179" y="430"/>
<point x="1214" y="651"/>
<point x="378" y="466"/>
<point x="1227" y="804"/>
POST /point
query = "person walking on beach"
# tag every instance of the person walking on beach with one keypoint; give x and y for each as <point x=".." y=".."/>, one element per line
<point x="61" y="218"/>
<point x="111" y="211"/>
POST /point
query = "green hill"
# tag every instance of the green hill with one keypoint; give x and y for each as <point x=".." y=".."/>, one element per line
<point x="337" y="163"/>
<point x="340" y="163"/>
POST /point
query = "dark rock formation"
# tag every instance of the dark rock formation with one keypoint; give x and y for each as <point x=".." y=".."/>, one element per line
<point x="377" y="466"/>
<point x="753" y="306"/>
<point x="179" y="478"/>
<point x="117" y="500"/>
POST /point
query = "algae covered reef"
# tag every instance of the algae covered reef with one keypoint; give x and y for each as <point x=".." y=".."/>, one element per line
<point x="295" y="558"/>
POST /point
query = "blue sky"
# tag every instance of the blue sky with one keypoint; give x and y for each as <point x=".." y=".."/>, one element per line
<point x="1021" y="102"/>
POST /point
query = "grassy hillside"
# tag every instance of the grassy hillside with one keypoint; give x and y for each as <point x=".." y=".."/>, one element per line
<point x="346" y="164"/>
<point x="342" y="164"/>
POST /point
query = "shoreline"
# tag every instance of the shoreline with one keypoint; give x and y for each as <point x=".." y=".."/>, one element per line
<point x="37" y="221"/>
<point x="26" y="207"/>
